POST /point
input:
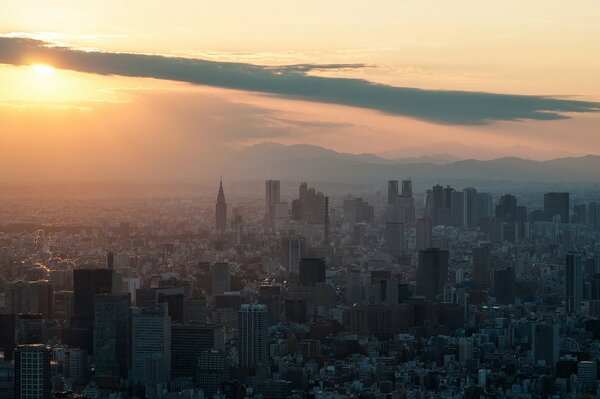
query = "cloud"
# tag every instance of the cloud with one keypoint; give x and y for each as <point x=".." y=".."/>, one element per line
<point x="437" y="106"/>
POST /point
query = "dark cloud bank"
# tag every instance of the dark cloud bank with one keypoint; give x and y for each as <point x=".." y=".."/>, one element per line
<point x="443" y="107"/>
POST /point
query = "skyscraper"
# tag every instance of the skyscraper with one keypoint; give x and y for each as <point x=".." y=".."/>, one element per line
<point x="32" y="372"/>
<point x="312" y="271"/>
<point x="150" y="352"/>
<point x="272" y="196"/>
<point x="221" y="210"/>
<point x="481" y="266"/>
<point x="293" y="250"/>
<point x="30" y="297"/>
<point x="432" y="274"/>
<point x="458" y="209"/>
<point x="253" y="337"/>
<point x="424" y="233"/>
<point x="556" y="204"/>
<point x="111" y="334"/>
<point x="545" y="343"/>
<point x="394" y="239"/>
<point x="504" y="285"/>
<point x="188" y="341"/>
<point x="392" y="192"/>
<point x="220" y="278"/>
<point x="573" y="282"/>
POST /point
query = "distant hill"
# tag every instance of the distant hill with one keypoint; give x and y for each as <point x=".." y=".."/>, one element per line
<point x="300" y="162"/>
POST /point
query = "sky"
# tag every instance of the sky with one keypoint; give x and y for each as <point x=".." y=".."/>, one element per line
<point x="105" y="89"/>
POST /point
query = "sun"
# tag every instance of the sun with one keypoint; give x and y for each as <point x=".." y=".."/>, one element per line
<point x="43" y="70"/>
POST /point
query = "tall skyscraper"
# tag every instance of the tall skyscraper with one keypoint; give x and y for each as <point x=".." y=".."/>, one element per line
<point x="392" y="192"/>
<point x="405" y="204"/>
<point x="424" y="233"/>
<point x="481" y="266"/>
<point x="212" y="371"/>
<point x="272" y="196"/>
<point x="394" y="239"/>
<point x="545" y="343"/>
<point x="87" y="284"/>
<point x="432" y="274"/>
<point x="32" y="372"/>
<point x="312" y="271"/>
<point x="111" y="328"/>
<point x="504" y="285"/>
<point x="573" y="282"/>
<point x="253" y="337"/>
<point x="293" y="250"/>
<point x="150" y="345"/>
<point x="556" y="204"/>
<point x="188" y="341"/>
<point x="220" y="278"/>
<point x="221" y="210"/>
<point x="458" y="210"/>
<point x="30" y="297"/>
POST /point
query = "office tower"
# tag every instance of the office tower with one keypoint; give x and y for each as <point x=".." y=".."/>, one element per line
<point x="573" y="282"/>
<point x="458" y="209"/>
<point x="253" y="337"/>
<point x="405" y="205"/>
<point x="212" y="371"/>
<point x="392" y="192"/>
<point x="220" y="278"/>
<point x="76" y="367"/>
<point x="196" y="309"/>
<point x="483" y="207"/>
<point x="326" y="223"/>
<point x="579" y="214"/>
<point x="312" y="271"/>
<point x="221" y="210"/>
<point x="545" y="343"/>
<point x="281" y="215"/>
<point x="324" y="295"/>
<point x="150" y="345"/>
<point x="432" y="274"/>
<point x="465" y="349"/>
<point x="481" y="266"/>
<point x="556" y="204"/>
<point x="504" y="285"/>
<point x="594" y="215"/>
<point x="385" y="290"/>
<point x="587" y="375"/>
<point x="111" y="334"/>
<point x="310" y="205"/>
<point x="29" y="328"/>
<point x="353" y="287"/>
<point x="87" y="284"/>
<point x="270" y="296"/>
<point x="174" y="296"/>
<point x="188" y="341"/>
<point x="30" y="297"/>
<point x="272" y="197"/>
<point x="293" y="250"/>
<point x="394" y="239"/>
<point x="470" y="199"/>
<point x="424" y="233"/>
<point x="32" y="372"/>
<point x="8" y="326"/>
<point x="507" y="208"/>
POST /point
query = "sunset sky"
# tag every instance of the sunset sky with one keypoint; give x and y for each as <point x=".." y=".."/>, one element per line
<point x="103" y="89"/>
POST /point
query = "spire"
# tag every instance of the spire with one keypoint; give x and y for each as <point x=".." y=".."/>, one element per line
<point x="221" y="195"/>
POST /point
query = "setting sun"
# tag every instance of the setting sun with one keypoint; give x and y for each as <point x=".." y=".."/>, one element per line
<point x="43" y="70"/>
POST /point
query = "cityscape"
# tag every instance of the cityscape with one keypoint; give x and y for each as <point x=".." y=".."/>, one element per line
<point x="269" y="199"/>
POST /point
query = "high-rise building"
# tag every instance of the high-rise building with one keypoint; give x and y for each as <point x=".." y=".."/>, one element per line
<point x="76" y="367"/>
<point x="312" y="271"/>
<point x="150" y="345"/>
<point x="432" y="274"/>
<point x="394" y="239"/>
<point x="272" y="197"/>
<point x="212" y="371"/>
<point x="30" y="297"/>
<point x="545" y="343"/>
<point x="504" y="285"/>
<point x="587" y="375"/>
<point x="293" y="250"/>
<point x="392" y="192"/>
<point x="458" y="209"/>
<point x="424" y="233"/>
<point x="573" y="282"/>
<point x="32" y="372"/>
<point x="8" y="325"/>
<point x="188" y="341"/>
<point x="470" y="198"/>
<point x="593" y="215"/>
<point x="111" y="327"/>
<point x="481" y="266"/>
<point x="253" y="337"/>
<point x="220" y="278"/>
<point x="87" y="284"/>
<point x="556" y="204"/>
<point x="221" y="210"/>
<point x="310" y="206"/>
<point x="29" y="329"/>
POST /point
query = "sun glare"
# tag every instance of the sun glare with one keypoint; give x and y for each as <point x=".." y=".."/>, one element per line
<point x="43" y="70"/>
